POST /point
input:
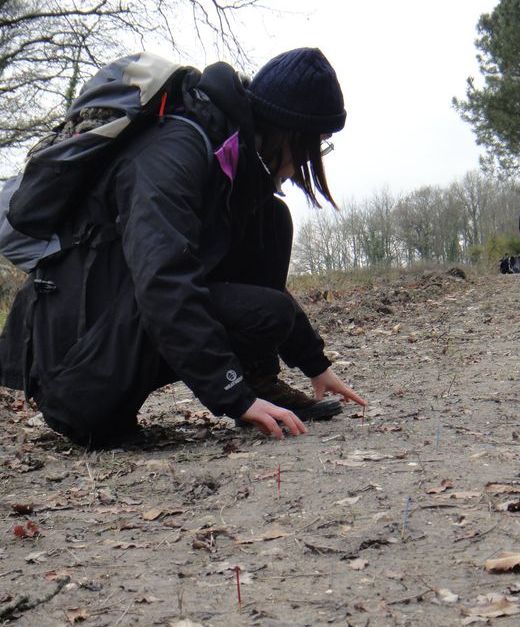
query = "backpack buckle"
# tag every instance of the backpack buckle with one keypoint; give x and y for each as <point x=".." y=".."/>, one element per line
<point x="44" y="287"/>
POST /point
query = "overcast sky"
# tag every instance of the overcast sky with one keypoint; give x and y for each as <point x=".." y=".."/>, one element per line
<point x="399" y="62"/>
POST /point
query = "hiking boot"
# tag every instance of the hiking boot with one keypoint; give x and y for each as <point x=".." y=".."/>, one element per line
<point x="276" y="391"/>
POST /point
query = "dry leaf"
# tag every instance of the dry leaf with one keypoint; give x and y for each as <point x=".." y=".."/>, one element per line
<point x="465" y="495"/>
<point x="76" y="615"/>
<point x="349" y="463"/>
<point x="350" y="500"/>
<point x="445" y="485"/>
<point x="386" y="516"/>
<point x="446" y="596"/>
<point x="459" y="495"/>
<point x="23" y="508"/>
<point x="503" y="488"/>
<point x="128" y="500"/>
<point x="36" y="558"/>
<point x="30" y="530"/>
<point x="153" y="514"/>
<point x="388" y="428"/>
<point x="491" y="606"/>
<point x="358" y="564"/>
<point x="186" y="622"/>
<point x="372" y="456"/>
<point x="270" y="534"/>
<point x="474" y="619"/>
<point x="503" y="563"/>
<point x="147" y="599"/>
<point x="125" y="545"/>
<point x="508" y="506"/>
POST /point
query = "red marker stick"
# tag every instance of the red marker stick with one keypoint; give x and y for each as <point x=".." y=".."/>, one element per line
<point x="237" y="572"/>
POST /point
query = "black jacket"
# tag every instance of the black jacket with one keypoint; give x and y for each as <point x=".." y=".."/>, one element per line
<point x="180" y="218"/>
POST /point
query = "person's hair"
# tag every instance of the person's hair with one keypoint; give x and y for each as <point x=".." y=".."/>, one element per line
<point x="305" y="149"/>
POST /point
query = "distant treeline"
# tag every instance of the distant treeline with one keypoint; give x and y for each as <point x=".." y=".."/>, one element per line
<point x="472" y="221"/>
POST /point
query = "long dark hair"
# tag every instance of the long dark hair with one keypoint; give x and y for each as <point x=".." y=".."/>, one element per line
<point x="305" y="149"/>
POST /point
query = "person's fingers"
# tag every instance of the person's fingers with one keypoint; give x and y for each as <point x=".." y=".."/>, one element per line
<point x="290" y="420"/>
<point x="269" y="426"/>
<point x="350" y="395"/>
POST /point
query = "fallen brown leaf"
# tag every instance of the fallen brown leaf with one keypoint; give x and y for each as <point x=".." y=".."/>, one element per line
<point x="147" y="599"/>
<point x="503" y="563"/>
<point x="52" y="575"/>
<point x="503" y="488"/>
<point x="490" y="606"/>
<point x="125" y="545"/>
<point x="29" y="530"/>
<point x="153" y="514"/>
<point x="76" y="615"/>
<point x="446" y="596"/>
<point x="36" y="557"/>
<point x="508" y="506"/>
<point x="23" y="508"/>
<point x="372" y="456"/>
<point x="269" y="534"/>
<point x="446" y="484"/>
<point x="388" y="428"/>
<point x="349" y="463"/>
<point x="459" y="495"/>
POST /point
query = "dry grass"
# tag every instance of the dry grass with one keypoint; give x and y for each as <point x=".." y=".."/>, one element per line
<point x="372" y="277"/>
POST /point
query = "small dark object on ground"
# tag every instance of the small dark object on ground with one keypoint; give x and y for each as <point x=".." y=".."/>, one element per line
<point x="510" y="265"/>
<point x="457" y="272"/>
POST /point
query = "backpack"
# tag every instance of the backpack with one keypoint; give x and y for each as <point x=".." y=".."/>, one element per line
<point x="117" y="101"/>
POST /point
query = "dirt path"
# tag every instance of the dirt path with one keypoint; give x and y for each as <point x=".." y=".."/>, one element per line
<point x="386" y="520"/>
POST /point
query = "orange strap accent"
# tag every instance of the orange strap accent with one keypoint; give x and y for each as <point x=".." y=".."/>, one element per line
<point x="163" y="104"/>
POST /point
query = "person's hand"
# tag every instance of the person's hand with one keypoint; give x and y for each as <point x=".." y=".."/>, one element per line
<point x="265" y="416"/>
<point x="329" y="381"/>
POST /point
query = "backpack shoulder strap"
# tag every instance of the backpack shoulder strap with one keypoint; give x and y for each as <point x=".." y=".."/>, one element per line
<point x="201" y="132"/>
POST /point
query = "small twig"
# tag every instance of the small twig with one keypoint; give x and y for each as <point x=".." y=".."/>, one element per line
<point x="237" y="573"/>
<point x="23" y="603"/>
<point x="452" y="382"/>
<point x="279" y="480"/>
<point x="406" y="513"/>
<point x="10" y="572"/>
<point x="119" y="620"/>
<point x="19" y="603"/>
<point x="315" y="520"/>
<point x="331" y="437"/>
<point x="417" y="596"/>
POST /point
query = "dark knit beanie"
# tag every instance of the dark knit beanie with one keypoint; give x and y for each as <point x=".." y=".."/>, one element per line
<point x="299" y="90"/>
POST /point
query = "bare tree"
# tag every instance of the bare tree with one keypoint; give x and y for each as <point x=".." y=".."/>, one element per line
<point x="475" y="218"/>
<point x="49" y="47"/>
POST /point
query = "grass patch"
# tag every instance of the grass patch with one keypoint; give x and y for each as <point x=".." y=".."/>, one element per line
<point x="366" y="277"/>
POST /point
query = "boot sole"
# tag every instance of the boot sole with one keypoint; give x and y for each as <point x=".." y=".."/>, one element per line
<point x="321" y="410"/>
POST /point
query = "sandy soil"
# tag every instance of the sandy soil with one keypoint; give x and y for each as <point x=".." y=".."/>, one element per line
<point x="388" y="519"/>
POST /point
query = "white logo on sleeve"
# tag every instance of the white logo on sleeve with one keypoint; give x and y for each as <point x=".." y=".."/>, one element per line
<point x="233" y="378"/>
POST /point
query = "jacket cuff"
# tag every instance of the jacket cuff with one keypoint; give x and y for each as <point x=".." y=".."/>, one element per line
<point x="315" y="366"/>
<point x="238" y="406"/>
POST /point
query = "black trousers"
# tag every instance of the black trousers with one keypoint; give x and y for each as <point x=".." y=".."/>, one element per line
<point x="248" y="298"/>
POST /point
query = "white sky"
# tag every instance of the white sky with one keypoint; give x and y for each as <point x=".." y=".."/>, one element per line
<point x="399" y="62"/>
